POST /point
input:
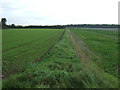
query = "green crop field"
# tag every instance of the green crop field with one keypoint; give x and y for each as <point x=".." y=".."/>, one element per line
<point x="58" y="58"/>
<point x="104" y="44"/>
<point x="20" y="47"/>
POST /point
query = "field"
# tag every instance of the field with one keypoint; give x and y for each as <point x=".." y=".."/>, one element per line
<point x="21" y="47"/>
<point x="76" y="58"/>
<point x="104" y="44"/>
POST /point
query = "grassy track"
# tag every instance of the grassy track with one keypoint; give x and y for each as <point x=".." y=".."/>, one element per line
<point x="103" y="44"/>
<point x="55" y="70"/>
<point x="21" y="47"/>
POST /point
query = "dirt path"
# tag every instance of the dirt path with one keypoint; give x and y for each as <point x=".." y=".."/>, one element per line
<point x="82" y="51"/>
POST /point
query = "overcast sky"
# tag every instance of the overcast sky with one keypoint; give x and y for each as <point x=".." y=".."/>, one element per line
<point x="53" y="12"/>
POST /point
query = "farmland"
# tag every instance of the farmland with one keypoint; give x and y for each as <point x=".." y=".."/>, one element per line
<point x="21" y="47"/>
<point x="80" y="58"/>
<point x="104" y="44"/>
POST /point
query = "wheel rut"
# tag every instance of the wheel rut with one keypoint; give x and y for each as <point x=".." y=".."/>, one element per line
<point x="78" y="46"/>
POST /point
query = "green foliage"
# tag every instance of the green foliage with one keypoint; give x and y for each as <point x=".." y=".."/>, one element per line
<point x="3" y="23"/>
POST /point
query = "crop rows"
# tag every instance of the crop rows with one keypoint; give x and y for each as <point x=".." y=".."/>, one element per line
<point x="20" y="47"/>
<point x="104" y="44"/>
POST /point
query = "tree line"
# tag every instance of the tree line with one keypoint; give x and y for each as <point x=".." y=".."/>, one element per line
<point x="5" y="26"/>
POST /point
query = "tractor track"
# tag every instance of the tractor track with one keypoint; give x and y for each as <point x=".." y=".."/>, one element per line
<point x="44" y="54"/>
<point x="79" y="48"/>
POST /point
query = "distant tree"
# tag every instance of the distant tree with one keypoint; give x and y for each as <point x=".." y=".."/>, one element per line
<point x="3" y="22"/>
<point x="0" y="25"/>
<point x="13" y="26"/>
